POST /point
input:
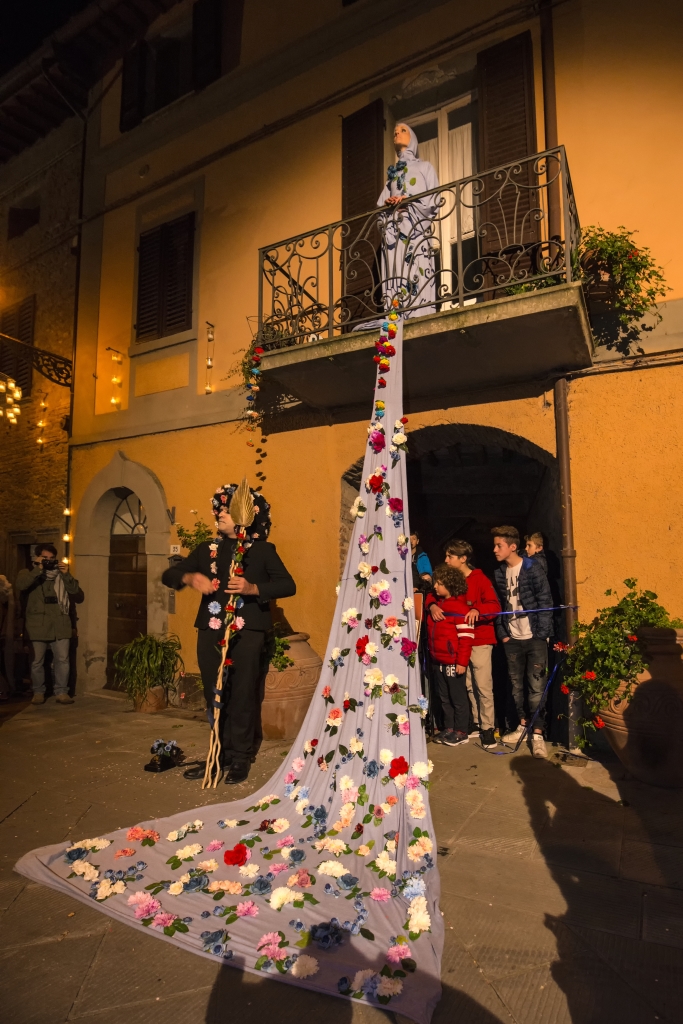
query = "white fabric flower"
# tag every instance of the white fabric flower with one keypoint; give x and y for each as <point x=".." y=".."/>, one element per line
<point x="385" y="863"/>
<point x="407" y="603"/>
<point x="422" y="769"/>
<point x="230" y="822"/>
<point x="355" y="745"/>
<point x="282" y="895"/>
<point x="369" y="712"/>
<point x="249" y="870"/>
<point x="301" y="806"/>
<point x="390" y="681"/>
<point x="175" y="888"/>
<point x="373" y="676"/>
<point x="418" y="915"/>
<point x="346" y="781"/>
<point x="336" y="651"/>
<point x="191" y="850"/>
<point x="332" y="868"/>
<point x="280" y="825"/>
<point x="360" y="979"/>
<point x="399" y="438"/>
<point x="386" y="756"/>
<point x="304" y="966"/>
<point x="119" y="887"/>
<point x="364" y="570"/>
<point x="371" y="650"/>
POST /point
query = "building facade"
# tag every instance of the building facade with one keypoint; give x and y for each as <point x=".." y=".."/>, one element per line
<point x="227" y="126"/>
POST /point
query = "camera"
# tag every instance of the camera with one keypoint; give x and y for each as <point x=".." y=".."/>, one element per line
<point x="49" y="564"/>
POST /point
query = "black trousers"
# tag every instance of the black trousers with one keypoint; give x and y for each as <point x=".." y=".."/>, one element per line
<point x="241" y="732"/>
<point x="452" y="692"/>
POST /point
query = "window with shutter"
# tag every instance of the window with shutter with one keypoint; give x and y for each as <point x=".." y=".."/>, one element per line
<point x="165" y="262"/>
<point x="362" y="182"/>
<point x="133" y="85"/>
<point x="18" y="322"/>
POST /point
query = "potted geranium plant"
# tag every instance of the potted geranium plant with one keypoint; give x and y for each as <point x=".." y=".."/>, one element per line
<point x="628" y="645"/>
<point x="622" y="283"/>
<point x="148" y="667"/>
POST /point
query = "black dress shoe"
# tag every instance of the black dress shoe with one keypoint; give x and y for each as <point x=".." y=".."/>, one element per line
<point x="238" y="772"/>
<point x="195" y="772"/>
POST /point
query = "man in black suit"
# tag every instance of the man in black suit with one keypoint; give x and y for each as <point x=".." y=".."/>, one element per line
<point x="264" y="578"/>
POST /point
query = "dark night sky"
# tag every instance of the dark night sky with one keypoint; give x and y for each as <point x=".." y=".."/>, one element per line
<point x="24" y="24"/>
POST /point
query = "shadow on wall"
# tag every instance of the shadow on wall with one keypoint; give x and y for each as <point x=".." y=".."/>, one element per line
<point x="619" y="953"/>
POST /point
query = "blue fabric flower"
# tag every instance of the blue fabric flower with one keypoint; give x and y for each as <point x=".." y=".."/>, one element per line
<point x="297" y="856"/>
<point x="371" y="769"/>
<point x="327" y="935"/>
<point x="414" y="889"/>
<point x="347" y="881"/>
<point x="78" y="854"/>
<point x="141" y="865"/>
<point x="261" y="886"/>
<point x="214" y="607"/>
<point x="320" y="813"/>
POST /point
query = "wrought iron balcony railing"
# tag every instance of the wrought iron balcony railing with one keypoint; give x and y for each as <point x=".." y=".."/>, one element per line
<point x="510" y="229"/>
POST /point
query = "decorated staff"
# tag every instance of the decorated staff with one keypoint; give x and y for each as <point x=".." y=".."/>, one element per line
<point x="238" y="575"/>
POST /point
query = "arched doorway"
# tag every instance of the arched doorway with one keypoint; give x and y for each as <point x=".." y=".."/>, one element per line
<point x="125" y="499"/>
<point x="127" y="603"/>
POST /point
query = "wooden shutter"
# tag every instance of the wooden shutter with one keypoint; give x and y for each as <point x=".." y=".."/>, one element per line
<point x="507" y="122"/>
<point x="18" y="322"/>
<point x="207" y="42"/>
<point x="165" y="263"/>
<point x="363" y="176"/>
<point x="362" y="159"/>
<point x="133" y="87"/>
<point x="233" y="13"/>
<point x="507" y="132"/>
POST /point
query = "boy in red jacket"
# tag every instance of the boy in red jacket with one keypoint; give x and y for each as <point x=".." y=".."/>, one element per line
<point x="483" y="605"/>
<point x="450" y="646"/>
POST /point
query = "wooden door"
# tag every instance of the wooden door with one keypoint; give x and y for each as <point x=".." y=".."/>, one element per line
<point x="127" y="614"/>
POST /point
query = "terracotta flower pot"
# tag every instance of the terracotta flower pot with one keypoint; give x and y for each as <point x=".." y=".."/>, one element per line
<point x="153" y="701"/>
<point x="645" y="732"/>
<point x="288" y="693"/>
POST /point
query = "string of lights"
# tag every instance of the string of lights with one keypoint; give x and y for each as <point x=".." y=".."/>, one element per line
<point x="208" y="387"/>
<point x="10" y="396"/>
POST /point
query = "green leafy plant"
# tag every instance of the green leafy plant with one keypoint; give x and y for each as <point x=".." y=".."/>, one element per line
<point x="149" y="661"/>
<point x="278" y="658"/>
<point x="607" y="653"/>
<point x="191" y="539"/>
<point x="622" y="283"/>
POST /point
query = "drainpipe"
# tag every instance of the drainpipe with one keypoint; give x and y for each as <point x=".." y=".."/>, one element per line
<point x="561" y="394"/>
<point x="550" y="114"/>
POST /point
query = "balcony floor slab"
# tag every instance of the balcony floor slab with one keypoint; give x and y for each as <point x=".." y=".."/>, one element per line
<point x="513" y="340"/>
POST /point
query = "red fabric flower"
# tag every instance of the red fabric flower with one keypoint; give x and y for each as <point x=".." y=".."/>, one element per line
<point x="347" y="705"/>
<point x="368" y="623"/>
<point x="258" y="349"/>
<point x="314" y="743"/>
<point x="374" y="568"/>
<point x="560" y="647"/>
<point x="361" y="644"/>
<point x="396" y="504"/>
<point x="237" y="856"/>
<point x="598" y="722"/>
<point x="399" y="766"/>
<point x="404" y="419"/>
<point x="265" y="824"/>
<point x="590" y="676"/>
<point x="381" y="383"/>
<point x="564" y="688"/>
<point x="376" y="483"/>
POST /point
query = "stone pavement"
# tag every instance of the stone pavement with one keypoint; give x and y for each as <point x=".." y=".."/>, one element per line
<point x="562" y="887"/>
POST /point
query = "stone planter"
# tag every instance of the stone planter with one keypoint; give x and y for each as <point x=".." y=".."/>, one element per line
<point x="645" y="733"/>
<point x="154" y="700"/>
<point x="288" y="693"/>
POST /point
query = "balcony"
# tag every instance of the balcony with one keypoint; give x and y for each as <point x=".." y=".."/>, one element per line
<point x="485" y="272"/>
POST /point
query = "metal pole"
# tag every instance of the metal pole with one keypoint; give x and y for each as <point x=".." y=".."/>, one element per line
<point x="561" y="395"/>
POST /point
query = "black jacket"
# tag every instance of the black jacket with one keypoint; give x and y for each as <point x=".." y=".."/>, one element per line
<point x="534" y="592"/>
<point x="262" y="565"/>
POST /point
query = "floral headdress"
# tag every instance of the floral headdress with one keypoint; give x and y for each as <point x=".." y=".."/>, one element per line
<point x="260" y="527"/>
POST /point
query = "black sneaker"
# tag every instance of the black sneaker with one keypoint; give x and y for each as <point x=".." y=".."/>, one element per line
<point x="488" y="739"/>
<point x="455" y="739"/>
<point x="437" y="737"/>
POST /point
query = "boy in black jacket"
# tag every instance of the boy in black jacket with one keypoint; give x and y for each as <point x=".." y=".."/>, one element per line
<point x="265" y="578"/>
<point x="523" y="585"/>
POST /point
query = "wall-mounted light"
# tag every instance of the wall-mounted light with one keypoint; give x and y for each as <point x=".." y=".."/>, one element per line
<point x="66" y="537"/>
<point x="66" y="512"/>
<point x="210" y="336"/>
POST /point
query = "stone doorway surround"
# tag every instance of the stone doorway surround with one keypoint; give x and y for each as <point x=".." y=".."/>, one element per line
<point x="91" y="550"/>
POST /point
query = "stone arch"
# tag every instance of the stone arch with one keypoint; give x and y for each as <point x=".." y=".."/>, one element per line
<point x="426" y="441"/>
<point x="91" y="551"/>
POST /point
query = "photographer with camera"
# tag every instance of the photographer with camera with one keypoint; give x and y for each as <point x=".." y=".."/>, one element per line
<point x="47" y="620"/>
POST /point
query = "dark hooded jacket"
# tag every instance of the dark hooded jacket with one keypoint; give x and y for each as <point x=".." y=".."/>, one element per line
<point x="534" y="592"/>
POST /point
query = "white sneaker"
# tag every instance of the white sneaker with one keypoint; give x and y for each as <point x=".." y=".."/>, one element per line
<point x="512" y="737"/>
<point x="538" y="748"/>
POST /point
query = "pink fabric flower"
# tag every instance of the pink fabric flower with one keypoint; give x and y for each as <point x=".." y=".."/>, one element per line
<point x="397" y="953"/>
<point x="377" y="442"/>
<point x="385" y="597"/>
<point x="408" y="647"/>
<point x="215" y="844"/>
<point x="246" y="909"/>
<point x="127" y="851"/>
<point x="350" y="796"/>
<point x="303" y="879"/>
<point x="277" y="868"/>
<point x="365" y="659"/>
<point x="269" y="939"/>
<point x="239" y="622"/>
<point x="215" y="623"/>
<point x="380" y="895"/>
<point x="287" y="841"/>
<point x="290" y="777"/>
<point x="135" y="833"/>
<point x="404" y="728"/>
<point x="396" y="504"/>
<point x="164" y="920"/>
<point x="298" y="764"/>
<point x="147" y="909"/>
<point x="412" y="782"/>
